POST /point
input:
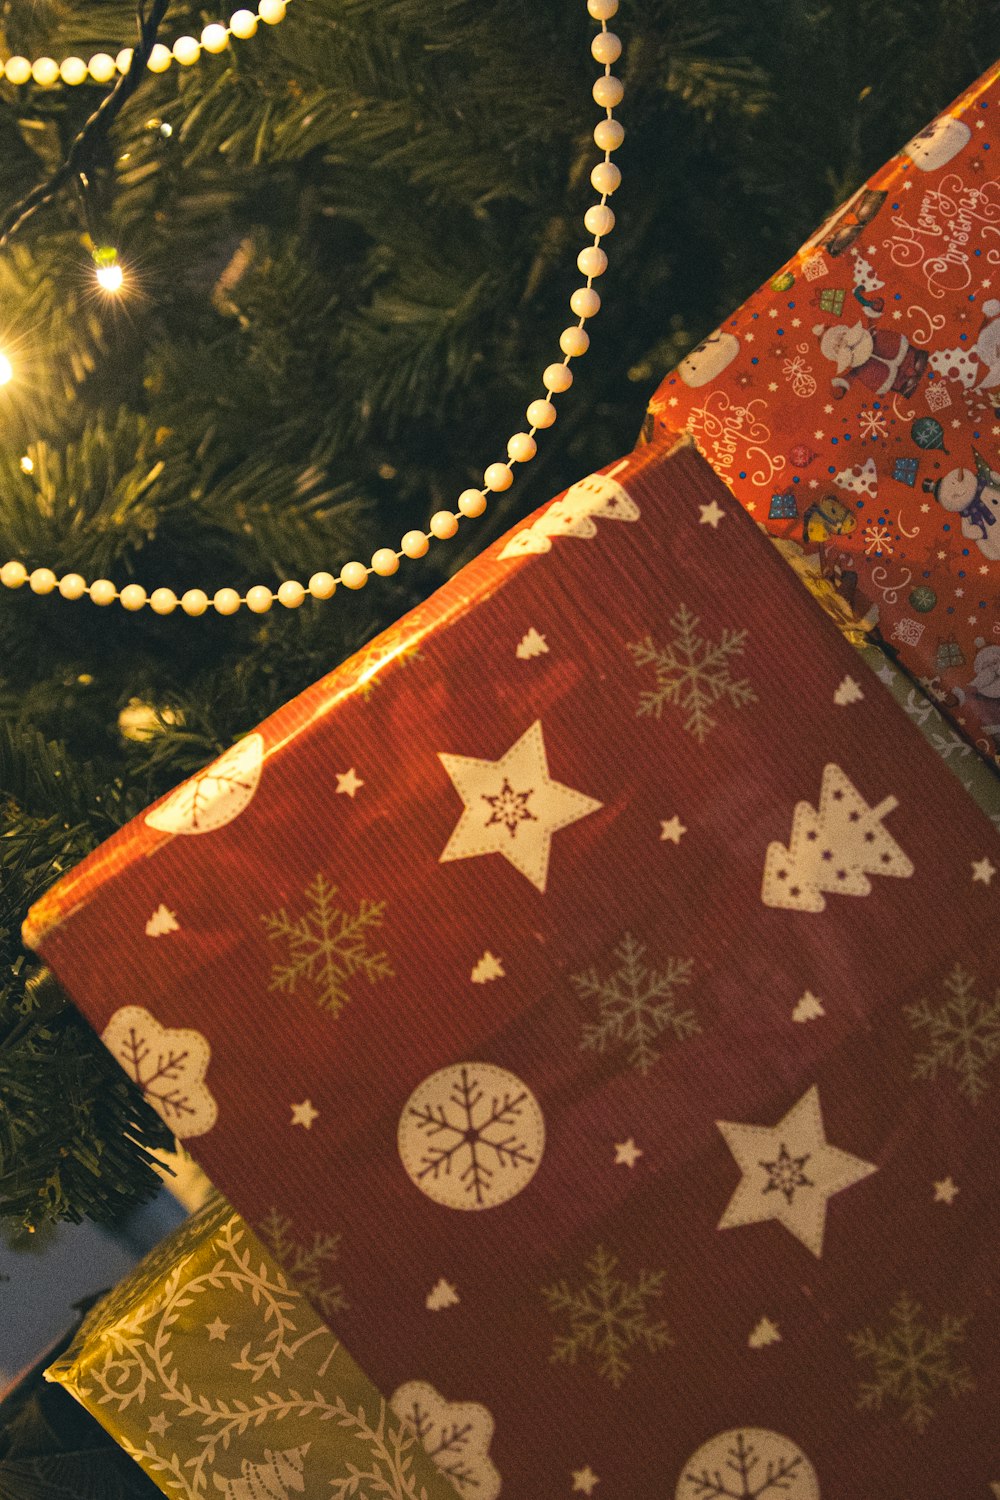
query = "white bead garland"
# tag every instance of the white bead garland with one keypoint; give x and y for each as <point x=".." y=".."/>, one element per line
<point x="574" y="341"/>
<point x="101" y="68"/>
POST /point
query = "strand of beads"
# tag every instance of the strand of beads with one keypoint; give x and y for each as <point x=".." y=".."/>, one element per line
<point x="102" y="67"/>
<point x="557" y="378"/>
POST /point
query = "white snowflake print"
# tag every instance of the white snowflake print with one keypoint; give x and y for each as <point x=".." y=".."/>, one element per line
<point x="872" y="424"/>
<point x="834" y="849"/>
<point x="471" y="1136"/>
<point x="168" y="1064"/>
<point x="456" y="1435"/>
<point x="512" y="806"/>
<point x="692" y="674"/>
<point x="607" y="1317"/>
<point x="878" y="539"/>
<point x="216" y="795"/>
<point x="961" y="1033"/>
<point x="636" y="1005"/>
<point x="326" y="947"/>
<point x="911" y="1360"/>
<point x="748" y="1463"/>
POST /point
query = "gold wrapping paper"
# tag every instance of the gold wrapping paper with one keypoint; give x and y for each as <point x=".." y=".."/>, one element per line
<point x="215" y="1374"/>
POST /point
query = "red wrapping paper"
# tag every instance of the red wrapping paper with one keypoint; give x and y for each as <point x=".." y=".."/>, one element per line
<point x="852" y="405"/>
<point x="606" y="959"/>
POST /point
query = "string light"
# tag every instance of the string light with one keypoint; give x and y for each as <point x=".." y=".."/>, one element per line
<point x="574" y="341"/>
<point x="6" y="369"/>
<point x="110" y="276"/>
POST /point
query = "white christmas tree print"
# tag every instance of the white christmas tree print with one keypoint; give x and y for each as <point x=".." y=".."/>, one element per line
<point x="848" y="691"/>
<point x="216" y="795"/>
<point x="789" y="1172"/>
<point x="764" y="1333"/>
<point x="748" y="1463"/>
<point x="512" y="806"/>
<point x="456" y="1436"/>
<point x="833" y="850"/>
<point x="280" y="1475"/>
<point x="607" y="1317"/>
<point x="859" y="479"/>
<point x="808" y="1008"/>
<point x="471" y="1136"/>
<point x="692" y="674"/>
<point x="531" y="645"/>
<point x="162" y="922"/>
<point x="487" y="968"/>
<point x="307" y="1264"/>
<point x="636" y="1005"/>
<point x="598" y="497"/>
<point x="326" y="947"/>
<point x="169" y="1066"/>
<point x="962" y="1034"/>
<point x="441" y="1295"/>
<point x="911" y="1361"/>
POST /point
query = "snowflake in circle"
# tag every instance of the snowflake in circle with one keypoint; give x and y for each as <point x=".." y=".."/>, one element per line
<point x="872" y="424"/>
<point x="748" y="1463"/>
<point x="471" y="1136"/>
<point x="878" y="539"/>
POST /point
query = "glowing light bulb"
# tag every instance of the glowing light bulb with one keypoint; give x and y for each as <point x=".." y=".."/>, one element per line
<point x="27" y="464"/>
<point x="110" y="278"/>
<point x="6" y="370"/>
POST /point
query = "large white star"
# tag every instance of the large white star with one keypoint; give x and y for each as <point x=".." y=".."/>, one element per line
<point x="512" y="806"/>
<point x="789" y="1172"/>
<point x="584" y="1481"/>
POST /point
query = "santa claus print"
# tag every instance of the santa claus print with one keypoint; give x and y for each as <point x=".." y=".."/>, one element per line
<point x="880" y="359"/>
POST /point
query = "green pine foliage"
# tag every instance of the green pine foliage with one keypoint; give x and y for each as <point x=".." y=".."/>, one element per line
<point x="349" y="246"/>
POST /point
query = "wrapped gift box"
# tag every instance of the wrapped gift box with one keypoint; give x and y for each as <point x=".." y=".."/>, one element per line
<point x="215" y="1373"/>
<point x="853" y="405"/>
<point x="605" y="959"/>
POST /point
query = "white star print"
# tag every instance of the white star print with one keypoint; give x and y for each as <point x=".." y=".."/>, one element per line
<point x="886" y="674"/>
<point x="627" y="1153"/>
<point x="349" y="782"/>
<point x="304" y="1114"/>
<point x="217" y="1330"/>
<point x="789" y="1172"/>
<point x="159" y="1424"/>
<point x="672" y="829"/>
<point x="946" y="1191"/>
<point x="584" y="1481"/>
<point x="712" y="514"/>
<point x="512" y="806"/>
<point x="982" y="870"/>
